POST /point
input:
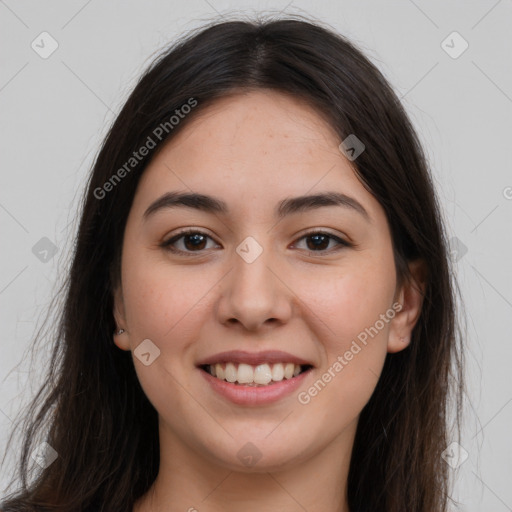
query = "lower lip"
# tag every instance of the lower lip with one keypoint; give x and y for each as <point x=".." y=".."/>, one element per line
<point x="255" y="395"/>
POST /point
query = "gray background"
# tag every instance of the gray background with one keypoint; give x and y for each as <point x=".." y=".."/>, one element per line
<point x="55" y="112"/>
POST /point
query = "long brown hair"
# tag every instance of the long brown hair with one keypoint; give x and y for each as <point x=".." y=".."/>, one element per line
<point x="91" y="386"/>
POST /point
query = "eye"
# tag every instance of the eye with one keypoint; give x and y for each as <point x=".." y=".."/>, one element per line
<point x="193" y="241"/>
<point x="196" y="241"/>
<point x="318" y="242"/>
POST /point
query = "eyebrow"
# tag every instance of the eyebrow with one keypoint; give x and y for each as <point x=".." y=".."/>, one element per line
<point x="286" y="207"/>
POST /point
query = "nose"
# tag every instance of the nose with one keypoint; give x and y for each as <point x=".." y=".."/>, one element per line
<point x="254" y="295"/>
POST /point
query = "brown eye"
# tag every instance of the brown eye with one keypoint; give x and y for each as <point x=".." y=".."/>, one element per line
<point x="319" y="242"/>
<point x="191" y="241"/>
<point x="196" y="241"/>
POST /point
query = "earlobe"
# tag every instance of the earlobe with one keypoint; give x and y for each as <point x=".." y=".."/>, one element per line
<point x="121" y="335"/>
<point x="410" y="296"/>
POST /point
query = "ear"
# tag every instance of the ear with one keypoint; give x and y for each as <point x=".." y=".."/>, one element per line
<point x="121" y="340"/>
<point x="410" y="297"/>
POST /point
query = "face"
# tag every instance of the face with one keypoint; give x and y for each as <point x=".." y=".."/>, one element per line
<point x="264" y="280"/>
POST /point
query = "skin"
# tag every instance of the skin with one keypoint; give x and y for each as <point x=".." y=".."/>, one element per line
<point x="253" y="150"/>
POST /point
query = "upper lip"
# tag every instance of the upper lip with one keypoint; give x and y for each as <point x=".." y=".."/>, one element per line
<point x="253" y="358"/>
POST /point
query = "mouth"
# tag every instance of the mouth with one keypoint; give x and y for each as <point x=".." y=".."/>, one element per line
<point x="260" y="375"/>
<point x="254" y="378"/>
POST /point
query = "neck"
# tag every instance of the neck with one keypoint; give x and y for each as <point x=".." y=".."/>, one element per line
<point x="188" y="482"/>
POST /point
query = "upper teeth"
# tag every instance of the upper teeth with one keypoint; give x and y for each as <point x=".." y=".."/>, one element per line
<point x="258" y="374"/>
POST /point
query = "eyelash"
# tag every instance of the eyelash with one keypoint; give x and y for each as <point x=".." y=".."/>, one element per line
<point x="167" y="244"/>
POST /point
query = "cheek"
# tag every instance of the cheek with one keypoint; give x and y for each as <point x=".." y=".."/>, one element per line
<point x="355" y="311"/>
<point x="351" y="301"/>
<point x="162" y="304"/>
<point x="160" y="298"/>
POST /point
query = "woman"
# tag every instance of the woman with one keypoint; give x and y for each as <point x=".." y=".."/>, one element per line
<point x="259" y="313"/>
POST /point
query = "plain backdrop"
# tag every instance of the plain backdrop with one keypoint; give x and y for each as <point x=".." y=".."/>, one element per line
<point x="450" y="63"/>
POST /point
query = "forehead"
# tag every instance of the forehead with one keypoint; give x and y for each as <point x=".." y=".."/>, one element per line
<point x="253" y="148"/>
<point x="266" y="123"/>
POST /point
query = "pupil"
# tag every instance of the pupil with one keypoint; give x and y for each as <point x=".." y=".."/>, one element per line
<point x="317" y="237"/>
<point x="196" y="243"/>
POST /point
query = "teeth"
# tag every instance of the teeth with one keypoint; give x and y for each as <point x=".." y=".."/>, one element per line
<point x="261" y="374"/>
<point x="245" y="374"/>
<point x="219" y="371"/>
<point x="230" y="373"/>
<point x="277" y="372"/>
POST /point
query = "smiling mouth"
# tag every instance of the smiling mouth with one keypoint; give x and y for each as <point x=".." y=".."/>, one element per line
<point x="259" y="375"/>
